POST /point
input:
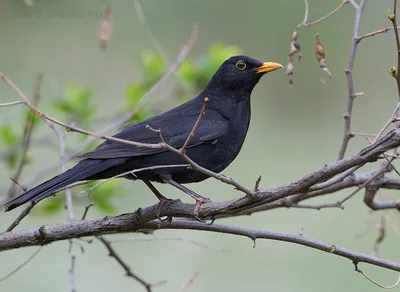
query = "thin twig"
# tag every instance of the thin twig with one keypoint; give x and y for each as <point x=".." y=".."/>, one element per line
<point x="10" y="103"/>
<point x="378" y="173"/>
<point x="373" y="281"/>
<point x="373" y="33"/>
<point x="5" y="277"/>
<point x="355" y="5"/>
<point x="328" y="15"/>
<point x="189" y="282"/>
<point x="121" y="262"/>
<point x="21" y="216"/>
<point x="161" y="145"/>
<point x="26" y="139"/>
<point x="202" y="112"/>
<point x="156" y="45"/>
<point x="172" y="69"/>
<point x="393" y="19"/>
<point x="86" y="211"/>
<point x="71" y="273"/>
<point x="147" y="239"/>
<point x="133" y="172"/>
<point x="68" y="193"/>
<point x="336" y="179"/>
<point x="350" y="84"/>
<point x="390" y="120"/>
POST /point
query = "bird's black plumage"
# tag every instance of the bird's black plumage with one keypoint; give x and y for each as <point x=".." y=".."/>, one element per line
<point x="216" y="142"/>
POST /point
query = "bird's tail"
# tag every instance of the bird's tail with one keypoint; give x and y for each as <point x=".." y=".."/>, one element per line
<point x="81" y="171"/>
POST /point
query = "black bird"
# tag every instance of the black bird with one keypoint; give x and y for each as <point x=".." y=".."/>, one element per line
<point x="215" y="144"/>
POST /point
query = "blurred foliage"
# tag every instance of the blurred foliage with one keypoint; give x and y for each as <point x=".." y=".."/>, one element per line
<point x="100" y="196"/>
<point x="192" y="76"/>
<point x="9" y="144"/>
<point x="196" y="74"/>
<point x="78" y="106"/>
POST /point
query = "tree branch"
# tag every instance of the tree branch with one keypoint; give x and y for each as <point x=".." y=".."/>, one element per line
<point x="135" y="222"/>
<point x="350" y="84"/>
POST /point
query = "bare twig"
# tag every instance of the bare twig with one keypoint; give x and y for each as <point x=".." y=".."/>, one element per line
<point x="71" y="273"/>
<point x="189" y="282"/>
<point x="10" y="103"/>
<point x="133" y="172"/>
<point x="381" y="235"/>
<point x="86" y="210"/>
<point x="373" y="33"/>
<point x="336" y="179"/>
<point x="156" y="45"/>
<point x="350" y="84"/>
<point x="147" y="239"/>
<point x="357" y="269"/>
<point x="393" y="116"/>
<point x="26" y="139"/>
<point x="328" y="15"/>
<point x="21" y="216"/>
<point x="134" y="221"/>
<point x="161" y="145"/>
<point x="355" y="5"/>
<point x="5" y="277"/>
<point x="393" y="19"/>
<point x="186" y="48"/>
<point x="121" y="262"/>
<point x="202" y="112"/>
<point x="68" y="193"/>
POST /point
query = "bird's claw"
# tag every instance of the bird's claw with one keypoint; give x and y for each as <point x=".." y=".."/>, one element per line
<point x="199" y="201"/>
<point x="162" y="204"/>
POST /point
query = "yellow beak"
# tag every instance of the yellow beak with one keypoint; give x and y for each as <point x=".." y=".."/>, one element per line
<point x="268" y="67"/>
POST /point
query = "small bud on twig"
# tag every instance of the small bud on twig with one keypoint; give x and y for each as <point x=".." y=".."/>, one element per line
<point x="393" y="72"/>
<point x="320" y="55"/>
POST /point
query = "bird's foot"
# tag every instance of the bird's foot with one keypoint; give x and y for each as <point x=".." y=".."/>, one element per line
<point x="199" y="201"/>
<point x="164" y="203"/>
<point x="197" y="218"/>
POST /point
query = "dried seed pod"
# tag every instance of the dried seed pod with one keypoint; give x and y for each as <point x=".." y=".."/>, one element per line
<point x="105" y="28"/>
<point x="320" y="55"/>
<point x="295" y="48"/>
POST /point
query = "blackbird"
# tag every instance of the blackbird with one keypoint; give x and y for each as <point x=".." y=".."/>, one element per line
<point x="215" y="143"/>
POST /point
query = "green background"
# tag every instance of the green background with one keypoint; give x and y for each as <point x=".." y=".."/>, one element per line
<point x="294" y="130"/>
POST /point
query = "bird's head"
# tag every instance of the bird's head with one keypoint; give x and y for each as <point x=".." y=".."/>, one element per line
<point x="241" y="74"/>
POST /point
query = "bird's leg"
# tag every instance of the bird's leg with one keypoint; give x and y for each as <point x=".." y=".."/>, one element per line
<point x="163" y="201"/>
<point x="199" y="199"/>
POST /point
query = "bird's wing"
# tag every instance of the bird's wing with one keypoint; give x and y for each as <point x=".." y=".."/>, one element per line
<point x="174" y="127"/>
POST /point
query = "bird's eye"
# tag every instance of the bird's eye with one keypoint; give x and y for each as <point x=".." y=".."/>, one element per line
<point x="241" y="65"/>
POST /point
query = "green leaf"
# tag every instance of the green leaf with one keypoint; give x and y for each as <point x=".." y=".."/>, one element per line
<point x="12" y="160"/>
<point x="102" y="195"/>
<point x="53" y="205"/>
<point x="77" y="103"/>
<point x="134" y="93"/>
<point x="152" y="62"/>
<point x="187" y="72"/>
<point x="219" y="52"/>
<point x="8" y="136"/>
